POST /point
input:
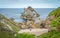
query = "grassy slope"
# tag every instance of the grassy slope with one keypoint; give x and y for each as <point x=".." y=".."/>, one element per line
<point x="54" y="23"/>
<point x="5" y="34"/>
<point x="15" y="28"/>
<point x="7" y="21"/>
<point x="55" y="12"/>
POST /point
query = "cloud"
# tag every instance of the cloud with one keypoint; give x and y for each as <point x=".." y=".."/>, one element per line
<point x="32" y="5"/>
<point x="25" y="3"/>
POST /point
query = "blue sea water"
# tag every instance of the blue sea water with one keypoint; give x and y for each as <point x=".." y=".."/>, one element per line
<point x="16" y="12"/>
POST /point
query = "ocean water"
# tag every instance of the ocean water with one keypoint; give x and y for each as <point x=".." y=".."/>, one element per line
<point x="16" y="12"/>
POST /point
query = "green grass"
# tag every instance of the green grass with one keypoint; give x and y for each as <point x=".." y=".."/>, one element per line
<point x="25" y="35"/>
<point x="51" y="34"/>
<point x="55" y="22"/>
<point x="6" y="35"/>
<point x="55" y="12"/>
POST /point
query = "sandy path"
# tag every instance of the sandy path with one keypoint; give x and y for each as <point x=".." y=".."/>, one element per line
<point x="34" y="31"/>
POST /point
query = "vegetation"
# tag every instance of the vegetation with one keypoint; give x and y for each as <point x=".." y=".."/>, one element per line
<point x="4" y="34"/>
<point x="8" y="22"/>
<point x="55" y="12"/>
<point x="55" y="22"/>
<point x="25" y="35"/>
<point x="51" y="34"/>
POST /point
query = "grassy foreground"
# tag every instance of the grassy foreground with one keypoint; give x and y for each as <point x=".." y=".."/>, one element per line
<point x="4" y="34"/>
<point x="25" y="35"/>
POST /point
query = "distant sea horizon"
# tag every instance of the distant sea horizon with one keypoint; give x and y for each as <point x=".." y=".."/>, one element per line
<point x="16" y="12"/>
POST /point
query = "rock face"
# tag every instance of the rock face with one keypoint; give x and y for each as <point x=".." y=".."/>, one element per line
<point x="29" y="16"/>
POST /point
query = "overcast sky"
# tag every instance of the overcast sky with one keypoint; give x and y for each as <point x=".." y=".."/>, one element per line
<point x="32" y="3"/>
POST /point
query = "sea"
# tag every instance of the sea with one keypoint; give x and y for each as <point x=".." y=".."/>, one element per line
<point x="16" y="12"/>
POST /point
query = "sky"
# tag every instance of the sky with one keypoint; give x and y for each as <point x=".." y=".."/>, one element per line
<point x="32" y="3"/>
